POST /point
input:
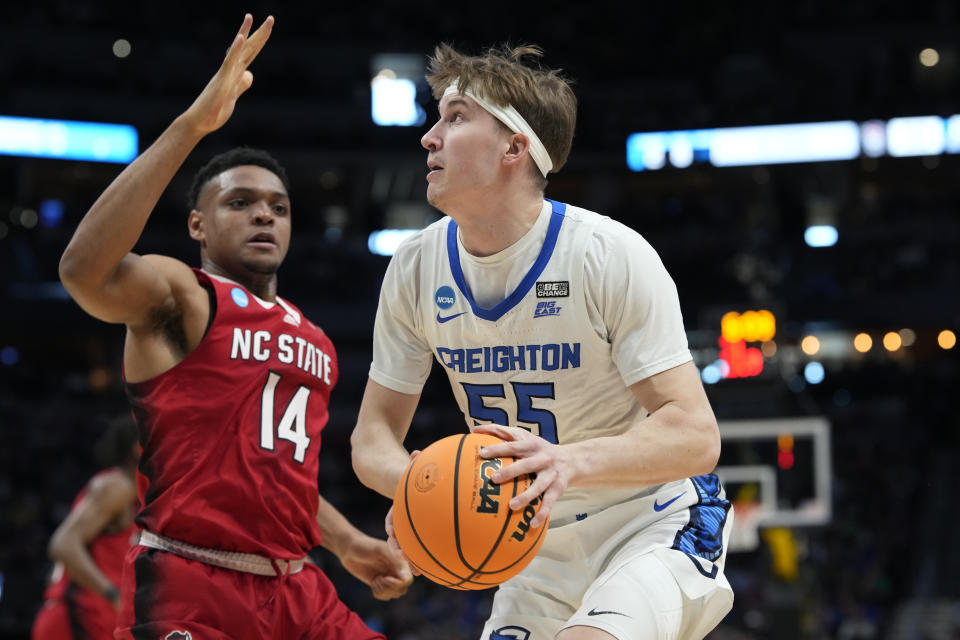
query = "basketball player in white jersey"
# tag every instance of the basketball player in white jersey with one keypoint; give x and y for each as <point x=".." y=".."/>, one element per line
<point x="560" y="331"/>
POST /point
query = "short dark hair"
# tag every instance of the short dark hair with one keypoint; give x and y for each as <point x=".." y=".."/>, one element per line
<point x="230" y="159"/>
<point x="115" y="443"/>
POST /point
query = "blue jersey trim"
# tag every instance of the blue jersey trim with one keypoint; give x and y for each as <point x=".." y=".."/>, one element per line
<point x="703" y="534"/>
<point x="508" y="303"/>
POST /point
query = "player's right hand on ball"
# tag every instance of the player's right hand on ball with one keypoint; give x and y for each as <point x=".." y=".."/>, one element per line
<point x="214" y="106"/>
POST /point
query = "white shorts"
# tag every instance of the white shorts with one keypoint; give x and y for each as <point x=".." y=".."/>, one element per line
<point x="647" y="569"/>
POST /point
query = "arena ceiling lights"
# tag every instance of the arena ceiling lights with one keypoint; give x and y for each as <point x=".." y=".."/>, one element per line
<point x="67" y="139"/>
<point x="793" y="143"/>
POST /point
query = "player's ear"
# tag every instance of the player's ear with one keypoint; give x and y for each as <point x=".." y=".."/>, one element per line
<point x="196" y="225"/>
<point x="518" y="148"/>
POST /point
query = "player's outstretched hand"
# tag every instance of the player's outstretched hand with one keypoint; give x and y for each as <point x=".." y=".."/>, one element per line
<point x="374" y="563"/>
<point x="535" y="455"/>
<point x="214" y="106"/>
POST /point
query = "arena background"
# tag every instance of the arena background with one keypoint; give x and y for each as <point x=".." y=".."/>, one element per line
<point x="887" y="563"/>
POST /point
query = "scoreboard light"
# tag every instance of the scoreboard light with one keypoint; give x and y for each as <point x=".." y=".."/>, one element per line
<point x="750" y="326"/>
<point x="744" y="361"/>
<point x="737" y="329"/>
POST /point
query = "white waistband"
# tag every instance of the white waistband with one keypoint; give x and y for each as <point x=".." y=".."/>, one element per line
<point x="577" y="504"/>
<point x="247" y="562"/>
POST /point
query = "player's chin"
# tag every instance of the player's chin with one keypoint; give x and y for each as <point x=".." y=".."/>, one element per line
<point x="435" y="196"/>
<point x="262" y="265"/>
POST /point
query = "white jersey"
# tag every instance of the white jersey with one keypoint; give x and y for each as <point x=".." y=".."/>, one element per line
<point x="579" y="309"/>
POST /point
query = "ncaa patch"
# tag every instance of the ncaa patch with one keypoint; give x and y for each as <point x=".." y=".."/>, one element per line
<point x="445" y="297"/>
<point x="178" y="635"/>
<point x="556" y="289"/>
<point x="240" y="298"/>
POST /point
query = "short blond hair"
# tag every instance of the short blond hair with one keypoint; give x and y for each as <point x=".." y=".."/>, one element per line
<point x="502" y="75"/>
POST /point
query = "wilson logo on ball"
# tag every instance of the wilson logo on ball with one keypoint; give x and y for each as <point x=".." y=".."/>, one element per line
<point x="523" y="525"/>
<point x="489" y="489"/>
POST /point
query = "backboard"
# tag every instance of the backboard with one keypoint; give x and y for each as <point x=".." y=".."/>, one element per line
<point x="777" y="473"/>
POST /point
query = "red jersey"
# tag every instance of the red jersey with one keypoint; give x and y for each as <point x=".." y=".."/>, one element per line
<point x="107" y="551"/>
<point x="231" y="435"/>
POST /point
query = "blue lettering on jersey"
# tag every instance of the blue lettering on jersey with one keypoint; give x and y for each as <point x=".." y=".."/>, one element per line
<point x="239" y="297"/>
<point x="532" y="357"/>
<point x="548" y="308"/>
<point x="445" y="297"/>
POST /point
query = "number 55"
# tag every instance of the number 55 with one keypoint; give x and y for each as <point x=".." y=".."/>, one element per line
<point x="524" y="392"/>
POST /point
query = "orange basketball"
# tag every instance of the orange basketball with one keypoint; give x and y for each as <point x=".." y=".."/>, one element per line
<point x="455" y="525"/>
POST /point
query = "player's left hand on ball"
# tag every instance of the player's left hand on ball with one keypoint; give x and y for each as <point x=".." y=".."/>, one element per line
<point x="392" y="541"/>
<point x="548" y="462"/>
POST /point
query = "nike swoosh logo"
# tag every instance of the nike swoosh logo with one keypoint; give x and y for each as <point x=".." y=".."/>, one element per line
<point x="594" y="612"/>
<point x="660" y="507"/>
<point x="441" y="319"/>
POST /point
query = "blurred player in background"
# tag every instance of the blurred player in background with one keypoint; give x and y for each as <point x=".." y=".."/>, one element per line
<point x="88" y="547"/>
<point x="230" y="387"/>
<point x="560" y="331"/>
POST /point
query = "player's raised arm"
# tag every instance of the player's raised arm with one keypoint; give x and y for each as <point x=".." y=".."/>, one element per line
<point x="97" y="267"/>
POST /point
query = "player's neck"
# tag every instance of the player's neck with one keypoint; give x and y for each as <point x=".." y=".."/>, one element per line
<point x="262" y="285"/>
<point x="492" y="227"/>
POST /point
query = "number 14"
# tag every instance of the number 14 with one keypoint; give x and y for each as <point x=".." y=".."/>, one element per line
<point x="525" y="393"/>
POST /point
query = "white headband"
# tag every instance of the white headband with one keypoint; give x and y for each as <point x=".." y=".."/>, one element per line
<point x="515" y="122"/>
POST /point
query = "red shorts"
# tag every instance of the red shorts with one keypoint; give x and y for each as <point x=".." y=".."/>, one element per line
<point x="166" y="597"/>
<point x="79" y="615"/>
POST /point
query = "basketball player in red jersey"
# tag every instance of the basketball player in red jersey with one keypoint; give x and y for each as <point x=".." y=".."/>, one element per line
<point x="89" y="546"/>
<point x="229" y="385"/>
